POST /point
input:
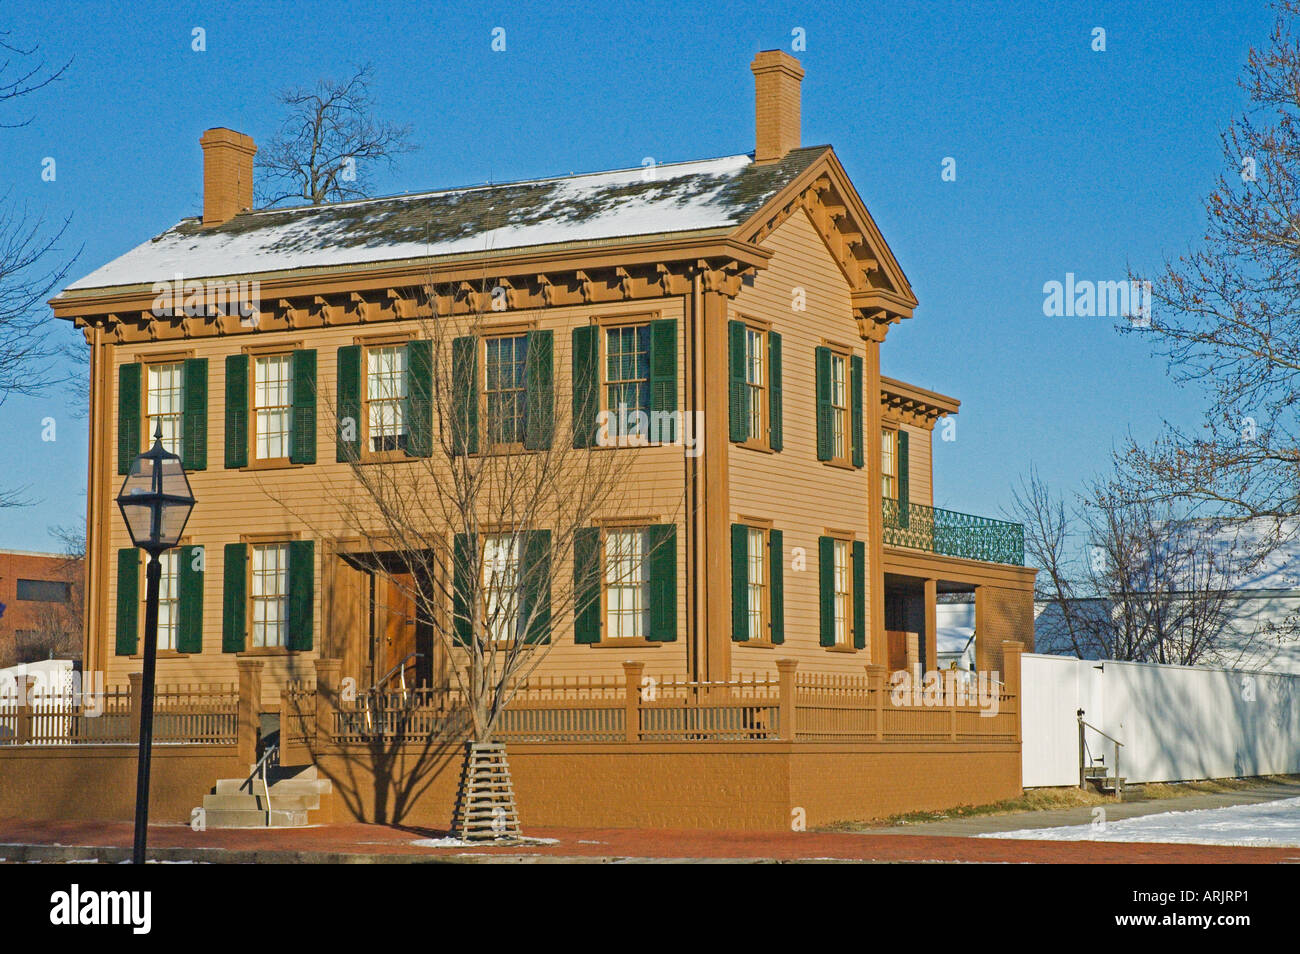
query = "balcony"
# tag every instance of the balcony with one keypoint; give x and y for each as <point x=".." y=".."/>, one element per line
<point x="948" y="533"/>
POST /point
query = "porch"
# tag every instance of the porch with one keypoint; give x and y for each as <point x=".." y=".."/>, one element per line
<point x="932" y="556"/>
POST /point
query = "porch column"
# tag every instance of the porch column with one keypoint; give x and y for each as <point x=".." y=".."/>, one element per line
<point x="931" y="634"/>
<point x="249" y="720"/>
<point x="327" y="698"/>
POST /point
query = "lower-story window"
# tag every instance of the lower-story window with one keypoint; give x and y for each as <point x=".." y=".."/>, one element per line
<point x="843" y="592"/>
<point x="626" y="579"/>
<point x="270" y="591"/>
<point x="169" y="599"/>
<point x="501" y="584"/>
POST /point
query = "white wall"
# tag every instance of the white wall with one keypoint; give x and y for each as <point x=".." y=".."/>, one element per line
<point x="1176" y="722"/>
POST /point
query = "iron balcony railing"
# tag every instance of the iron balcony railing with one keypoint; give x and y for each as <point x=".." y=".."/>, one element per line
<point x="953" y="534"/>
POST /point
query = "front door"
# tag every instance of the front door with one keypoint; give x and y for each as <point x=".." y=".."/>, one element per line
<point x="402" y="636"/>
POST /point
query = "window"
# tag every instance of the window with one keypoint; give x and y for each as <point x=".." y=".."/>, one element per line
<point x="756" y="555"/>
<point x="43" y="591"/>
<point x="889" y="463"/>
<point x="756" y="383"/>
<point x="501" y="584"/>
<point x="627" y="380"/>
<point x="169" y="599"/>
<point x="270" y="594"/>
<point x="626" y="582"/>
<point x="164" y="401"/>
<point x="272" y="405"/>
<point x="839" y="407"/>
<point x="843" y="593"/>
<point x="386" y="398"/>
<point x="504" y="389"/>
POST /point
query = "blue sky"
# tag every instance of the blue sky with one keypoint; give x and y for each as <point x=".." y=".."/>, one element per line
<point x="1068" y="160"/>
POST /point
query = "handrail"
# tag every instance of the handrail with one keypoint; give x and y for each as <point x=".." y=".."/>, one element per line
<point x="1099" y="732"/>
<point x="270" y="752"/>
<point x="400" y="667"/>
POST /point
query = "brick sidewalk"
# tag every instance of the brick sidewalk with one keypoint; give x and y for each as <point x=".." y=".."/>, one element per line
<point x="356" y="842"/>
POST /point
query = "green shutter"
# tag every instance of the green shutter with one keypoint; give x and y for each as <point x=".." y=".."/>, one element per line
<point x="302" y="428"/>
<point x="537" y="586"/>
<point x="347" y="445"/>
<point x="739" y="582"/>
<point x="776" y="585"/>
<point x="236" y="410"/>
<point x="464" y="395"/>
<point x="128" y="415"/>
<point x="462" y="575"/>
<point x="194" y="414"/>
<point x="128" y="601"/>
<point x="662" y="541"/>
<point x="586" y="385"/>
<point x="189" y="624"/>
<point x="825" y="435"/>
<point x="826" y="573"/>
<point x="586" y="585"/>
<point x="904" y="480"/>
<point x="855" y="404"/>
<point x="736" y="381"/>
<point x="302" y="593"/>
<point x="859" y="595"/>
<point x="539" y="395"/>
<point x="234" y="597"/>
<point x="775" y="426"/>
<point x="663" y="379"/>
<point x="419" y="398"/>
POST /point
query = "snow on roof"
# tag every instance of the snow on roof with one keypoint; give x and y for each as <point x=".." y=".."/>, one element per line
<point x="676" y="197"/>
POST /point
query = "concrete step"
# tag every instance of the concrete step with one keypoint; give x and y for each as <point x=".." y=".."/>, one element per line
<point x="289" y="786"/>
<point x="246" y="802"/>
<point x="241" y="818"/>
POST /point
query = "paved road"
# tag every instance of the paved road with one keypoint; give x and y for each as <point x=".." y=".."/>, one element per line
<point x="1083" y="815"/>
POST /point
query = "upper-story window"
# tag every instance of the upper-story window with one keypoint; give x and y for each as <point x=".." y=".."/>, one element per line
<point x="43" y="591"/>
<point x="627" y="380"/>
<point x="272" y="406"/>
<point x="889" y="463"/>
<point x="756" y="382"/>
<point x="839" y="407"/>
<point x="505" y="389"/>
<point x="386" y="397"/>
<point x="164" y="403"/>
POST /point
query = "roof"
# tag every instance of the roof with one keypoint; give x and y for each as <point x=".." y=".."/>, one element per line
<point x="595" y="207"/>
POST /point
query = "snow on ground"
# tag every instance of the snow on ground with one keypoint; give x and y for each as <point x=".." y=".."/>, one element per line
<point x="1264" y="824"/>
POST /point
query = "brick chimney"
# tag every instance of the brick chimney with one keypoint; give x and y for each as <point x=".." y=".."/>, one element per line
<point x="227" y="174"/>
<point x="777" y="75"/>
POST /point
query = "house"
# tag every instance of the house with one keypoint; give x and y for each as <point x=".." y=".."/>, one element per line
<point x="40" y="611"/>
<point x="755" y="288"/>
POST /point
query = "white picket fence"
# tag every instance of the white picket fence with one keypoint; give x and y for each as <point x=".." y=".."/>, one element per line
<point x="1176" y="722"/>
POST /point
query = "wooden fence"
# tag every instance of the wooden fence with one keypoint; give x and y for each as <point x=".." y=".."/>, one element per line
<point x="789" y="706"/>
<point x="190" y="714"/>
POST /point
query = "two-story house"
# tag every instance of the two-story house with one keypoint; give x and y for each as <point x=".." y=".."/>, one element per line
<point x="753" y="290"/>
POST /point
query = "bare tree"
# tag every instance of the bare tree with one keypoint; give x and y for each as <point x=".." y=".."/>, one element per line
<point x="328" y="142"/>
<point x="1123" y="577"/>
<point x="1226" y="314"/>
<point x="29" y="269"/>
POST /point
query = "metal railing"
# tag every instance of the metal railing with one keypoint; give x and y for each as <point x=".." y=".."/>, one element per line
<point x="1088" y="762"/>
<point x="949" y="533"/>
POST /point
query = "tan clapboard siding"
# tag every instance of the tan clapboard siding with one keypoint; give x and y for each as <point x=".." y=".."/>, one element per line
<point x="298" y="499"/>
<point x="920" y="465"/>
<point x="801" y="495"/>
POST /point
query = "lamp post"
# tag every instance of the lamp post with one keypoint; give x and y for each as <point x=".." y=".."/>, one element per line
<point x="155" y="501"/>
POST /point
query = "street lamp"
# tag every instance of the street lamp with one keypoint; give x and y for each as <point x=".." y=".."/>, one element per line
<point x="155" y="501"/>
